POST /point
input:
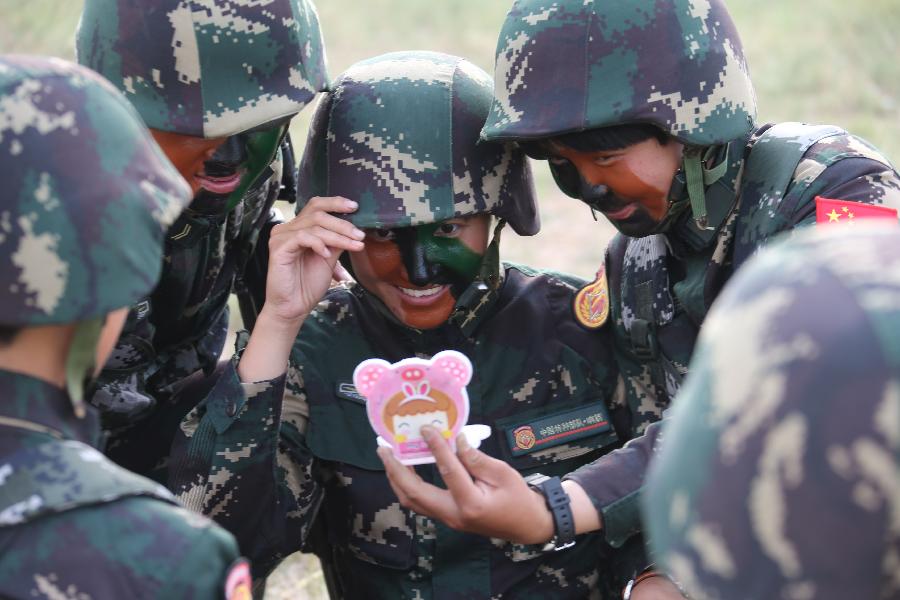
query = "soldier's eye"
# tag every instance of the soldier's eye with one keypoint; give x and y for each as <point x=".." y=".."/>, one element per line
<point x="605" y="161"/>
<point x="437" y="423"/>
<point x="381" y="235"/>
<point x="403" y="426"/>
<point x="447" y="229"/>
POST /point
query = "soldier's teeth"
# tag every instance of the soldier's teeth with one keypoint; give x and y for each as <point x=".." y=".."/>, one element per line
<point x="421" y="293"/>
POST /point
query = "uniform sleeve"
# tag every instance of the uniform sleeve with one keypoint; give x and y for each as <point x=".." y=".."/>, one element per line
<point x="613" y="483"/>
<point x="863" y="177"/>
<point x="236" y="463"/>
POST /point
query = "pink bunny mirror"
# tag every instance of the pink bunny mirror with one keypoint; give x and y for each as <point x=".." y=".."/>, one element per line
<point x="404" y="396"/>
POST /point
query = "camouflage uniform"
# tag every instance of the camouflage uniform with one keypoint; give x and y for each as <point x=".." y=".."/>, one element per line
<point x="790" y="426"/>
<point x="535" y="367"/>
<point x="204" y="70"/>
<point x="679" y="66"/>
<point x="73" y="524"/>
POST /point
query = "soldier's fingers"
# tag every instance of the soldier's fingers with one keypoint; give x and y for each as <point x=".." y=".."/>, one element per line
<point x="304" y="239"/>
<point x="417" y="495"/>
<point x="335" y="240"/>
<point x="341" y="274"/>
<point x="338" y="225"/>
<point x="483" y="467"/>
<point x="334" y="204"/>
<point x="452" y="471"/>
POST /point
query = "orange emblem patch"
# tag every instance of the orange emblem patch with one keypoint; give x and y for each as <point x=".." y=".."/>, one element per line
<point x="591" y="304"/>
<point x="524" y="437"/>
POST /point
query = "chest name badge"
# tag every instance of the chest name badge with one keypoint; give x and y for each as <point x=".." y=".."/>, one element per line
<point x="559" y="428"/>
<point x="591" y="304"/>
<point x="404" y="396"/>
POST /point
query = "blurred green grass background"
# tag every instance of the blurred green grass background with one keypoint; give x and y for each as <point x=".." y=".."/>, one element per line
<point x="819" y="61"/>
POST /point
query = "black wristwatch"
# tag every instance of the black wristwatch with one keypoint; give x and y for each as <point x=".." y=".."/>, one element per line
<point x="559" y="504"/>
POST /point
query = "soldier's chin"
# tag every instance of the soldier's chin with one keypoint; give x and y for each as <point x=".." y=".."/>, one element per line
<point x="427" y="317"/>
<point x="638" y="224"/>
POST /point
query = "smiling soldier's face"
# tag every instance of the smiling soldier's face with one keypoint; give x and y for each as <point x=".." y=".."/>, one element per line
<point x="419" y="272"/>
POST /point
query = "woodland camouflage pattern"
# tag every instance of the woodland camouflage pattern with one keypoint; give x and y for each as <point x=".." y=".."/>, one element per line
<point x="277" y="474"/>
<point x="778" y="472"/>
<point x="404" y="174"/>
<point x="59" y="123"/>
<point x="86" y="200"/>
<point x="206" y="68"/>
<point x="572" y="65"/>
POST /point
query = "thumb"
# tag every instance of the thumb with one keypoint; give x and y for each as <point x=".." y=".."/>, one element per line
<point x="481" y="466"/>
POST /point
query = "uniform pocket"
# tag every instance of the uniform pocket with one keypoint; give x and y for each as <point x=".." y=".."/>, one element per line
<point x="361" y="511"/>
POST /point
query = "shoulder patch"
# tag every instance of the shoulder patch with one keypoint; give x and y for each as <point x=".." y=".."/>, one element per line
<point x="238" y="585"/>
<point x="591" y="304"/>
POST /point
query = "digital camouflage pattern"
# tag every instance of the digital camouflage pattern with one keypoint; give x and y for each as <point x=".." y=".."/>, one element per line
<point x="58" y="233"/>
<point x="661" y="286"/>
<point x="204" y="68"/>
<point x="318" y="479"/>
<point x="74" y="525"/>
<point x="779" y="468"/>
<point x="572" y="65"/>
<point x="367" y="142"/>
<point x="87" y="198"/>
<point x="305" y="470"/>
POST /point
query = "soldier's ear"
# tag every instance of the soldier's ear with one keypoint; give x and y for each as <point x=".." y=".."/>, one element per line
<point x="368" y="373"/>
<point x="455" y="365"/>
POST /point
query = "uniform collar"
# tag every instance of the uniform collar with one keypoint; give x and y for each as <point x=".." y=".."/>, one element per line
<point x="721" y="198"/>
<point x="32" y="405"/>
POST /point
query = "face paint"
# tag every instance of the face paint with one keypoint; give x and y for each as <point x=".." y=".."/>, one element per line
<point x="419" y="272"/>
<point x="187" y="153"/>
<point x="629" y="186"/>
<point x="221" y="176"/>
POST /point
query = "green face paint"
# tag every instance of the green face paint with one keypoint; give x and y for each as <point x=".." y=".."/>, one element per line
<point x="432" y="254"/>
<point x="262" y="146"/>
<point x="452" y="253"/>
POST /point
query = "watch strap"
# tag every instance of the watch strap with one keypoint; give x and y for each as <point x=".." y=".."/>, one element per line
<point x="559" y="504"/>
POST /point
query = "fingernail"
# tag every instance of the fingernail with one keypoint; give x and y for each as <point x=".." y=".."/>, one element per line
<point x="462" y="442"/>
<point x="359" y="233"/>
<point x="352" y="204"/>
<point x="427" y="433"/>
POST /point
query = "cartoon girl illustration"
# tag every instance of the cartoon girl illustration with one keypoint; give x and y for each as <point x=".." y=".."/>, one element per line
<point x="406" y="412"/>
<point x="402" y="397"/>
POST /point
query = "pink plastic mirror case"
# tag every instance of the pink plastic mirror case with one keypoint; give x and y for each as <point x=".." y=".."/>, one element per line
<point x="404" y="396"/>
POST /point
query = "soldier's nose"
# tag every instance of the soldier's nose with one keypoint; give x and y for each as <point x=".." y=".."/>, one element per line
<point x="589" y="191"/>
<point x="231" y="153"/>
<point x="420" y="270"/>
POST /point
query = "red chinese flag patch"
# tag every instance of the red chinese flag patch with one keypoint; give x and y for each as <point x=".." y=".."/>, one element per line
<point x="830" y="212"/>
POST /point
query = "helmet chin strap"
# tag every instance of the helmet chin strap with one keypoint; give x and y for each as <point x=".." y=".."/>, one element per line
<point x="698" y="178"/>
<point x="80" y="361"/>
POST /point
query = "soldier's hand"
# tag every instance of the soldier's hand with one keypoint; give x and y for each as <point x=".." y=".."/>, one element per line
<point x="484" y="495"/>
<point x="303" y="256"/>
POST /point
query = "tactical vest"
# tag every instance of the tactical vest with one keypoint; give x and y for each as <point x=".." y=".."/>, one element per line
<point x="59" y="476"/>
<point x="652" y="323"/>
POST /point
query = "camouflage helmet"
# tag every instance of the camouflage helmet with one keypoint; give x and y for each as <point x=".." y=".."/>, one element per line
<point x="206" y="68"/>
<point x="87" y="197"/>
<point x="399" y="133"/>
<point x="571" y="65"/>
